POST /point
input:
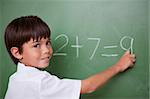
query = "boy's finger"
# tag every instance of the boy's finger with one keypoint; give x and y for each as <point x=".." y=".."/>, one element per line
<point x="127" y="52"/>
<point x="133" y="60"/>
<point x="133" y="56"/>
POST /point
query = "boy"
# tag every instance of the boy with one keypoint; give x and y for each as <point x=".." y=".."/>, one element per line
<point x="27" y="41"/>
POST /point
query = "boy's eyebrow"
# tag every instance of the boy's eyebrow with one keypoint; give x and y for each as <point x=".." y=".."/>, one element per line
<point x="35" y="41"/>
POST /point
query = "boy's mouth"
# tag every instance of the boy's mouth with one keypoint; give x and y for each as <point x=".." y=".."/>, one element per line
<point x="45" y="58"/>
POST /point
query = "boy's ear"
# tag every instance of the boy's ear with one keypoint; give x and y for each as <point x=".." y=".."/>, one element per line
<point x="15" y="53"/>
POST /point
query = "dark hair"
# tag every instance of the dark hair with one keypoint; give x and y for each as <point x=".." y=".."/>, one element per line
<point x="21" y="30"/>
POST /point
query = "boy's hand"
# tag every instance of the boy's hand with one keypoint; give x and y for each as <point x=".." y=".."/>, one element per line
<point x="93" y="82"/>
<point x="126" y="61"/>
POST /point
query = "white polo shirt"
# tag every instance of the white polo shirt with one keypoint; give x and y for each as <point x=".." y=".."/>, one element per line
<point x="31" y="83"/>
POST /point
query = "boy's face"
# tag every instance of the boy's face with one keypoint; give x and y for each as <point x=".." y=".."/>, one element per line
<point x="37" y="53"/>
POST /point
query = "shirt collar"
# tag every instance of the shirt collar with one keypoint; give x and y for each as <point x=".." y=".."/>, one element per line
<point x="21" y="67"/>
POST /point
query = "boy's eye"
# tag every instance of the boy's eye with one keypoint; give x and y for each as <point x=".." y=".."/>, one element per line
<point x="48" y="43"/>
<point x="36" y="45"/>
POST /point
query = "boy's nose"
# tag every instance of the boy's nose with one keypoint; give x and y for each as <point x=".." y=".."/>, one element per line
<point x="46" y="49"/>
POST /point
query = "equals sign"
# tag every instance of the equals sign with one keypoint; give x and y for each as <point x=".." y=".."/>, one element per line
<point x="109" y="55"/>
<point x="110" y="46"/>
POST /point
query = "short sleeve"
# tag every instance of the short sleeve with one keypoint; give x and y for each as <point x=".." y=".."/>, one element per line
<point x="54" y="88"/>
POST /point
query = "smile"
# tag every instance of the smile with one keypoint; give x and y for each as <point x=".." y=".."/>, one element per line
<point x="46" y="58"/>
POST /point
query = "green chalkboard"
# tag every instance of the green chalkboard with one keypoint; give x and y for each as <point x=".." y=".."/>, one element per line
<point x="0" y="50"/>
<point x="89" y="36"/>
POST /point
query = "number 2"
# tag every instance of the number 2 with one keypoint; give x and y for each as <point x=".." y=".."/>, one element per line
<point x="58" y="51"/>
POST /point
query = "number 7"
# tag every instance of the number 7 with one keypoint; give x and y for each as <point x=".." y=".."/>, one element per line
<point x="97" y="45"/>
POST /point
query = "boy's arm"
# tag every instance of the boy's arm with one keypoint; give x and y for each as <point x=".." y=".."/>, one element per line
<point x="93" y="82"/>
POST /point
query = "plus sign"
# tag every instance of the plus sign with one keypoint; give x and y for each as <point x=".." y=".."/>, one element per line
<point x="77" y="46"/>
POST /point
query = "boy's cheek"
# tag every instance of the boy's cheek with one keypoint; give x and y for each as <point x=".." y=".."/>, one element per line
<point x="51" y="51"/>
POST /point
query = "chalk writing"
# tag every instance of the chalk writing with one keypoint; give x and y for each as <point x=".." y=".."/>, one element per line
<point x="97" y="45"/>
<point x="57" y="52"/>
<point x="78" y="46"/>
<point x="131" y="43"/>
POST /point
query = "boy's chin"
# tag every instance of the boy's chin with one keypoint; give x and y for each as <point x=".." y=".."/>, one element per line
<point x="44" y="66"/>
